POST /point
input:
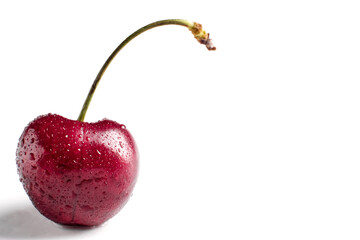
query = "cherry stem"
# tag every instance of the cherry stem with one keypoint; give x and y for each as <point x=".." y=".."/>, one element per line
<point x="194" y="27"/>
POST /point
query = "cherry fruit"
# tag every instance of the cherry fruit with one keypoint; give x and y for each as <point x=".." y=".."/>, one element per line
<point x="79" y="173"/>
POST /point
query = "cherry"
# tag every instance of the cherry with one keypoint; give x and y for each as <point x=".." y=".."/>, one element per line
<point x="79" y="173"/>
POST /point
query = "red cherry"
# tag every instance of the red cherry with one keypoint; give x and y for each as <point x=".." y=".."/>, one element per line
<point x="75" y="172"/>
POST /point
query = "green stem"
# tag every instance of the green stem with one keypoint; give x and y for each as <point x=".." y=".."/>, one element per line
<point x="194" y="27"/>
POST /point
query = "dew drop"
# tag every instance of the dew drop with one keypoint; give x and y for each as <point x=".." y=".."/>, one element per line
<point x="74" y="195"/>
<point x="87" y="208"/>
<point x="61" y="213"/>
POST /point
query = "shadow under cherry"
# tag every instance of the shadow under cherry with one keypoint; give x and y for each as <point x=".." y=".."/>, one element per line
<point x="25" y="222"/>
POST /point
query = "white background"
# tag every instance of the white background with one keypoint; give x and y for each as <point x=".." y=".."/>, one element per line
<point x="257" y="140"/>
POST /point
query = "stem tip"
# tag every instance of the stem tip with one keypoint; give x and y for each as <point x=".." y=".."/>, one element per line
<point x="202" y="36"/>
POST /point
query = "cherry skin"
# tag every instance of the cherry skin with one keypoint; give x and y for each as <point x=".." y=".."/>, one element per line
<point x="77" y="173"/>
